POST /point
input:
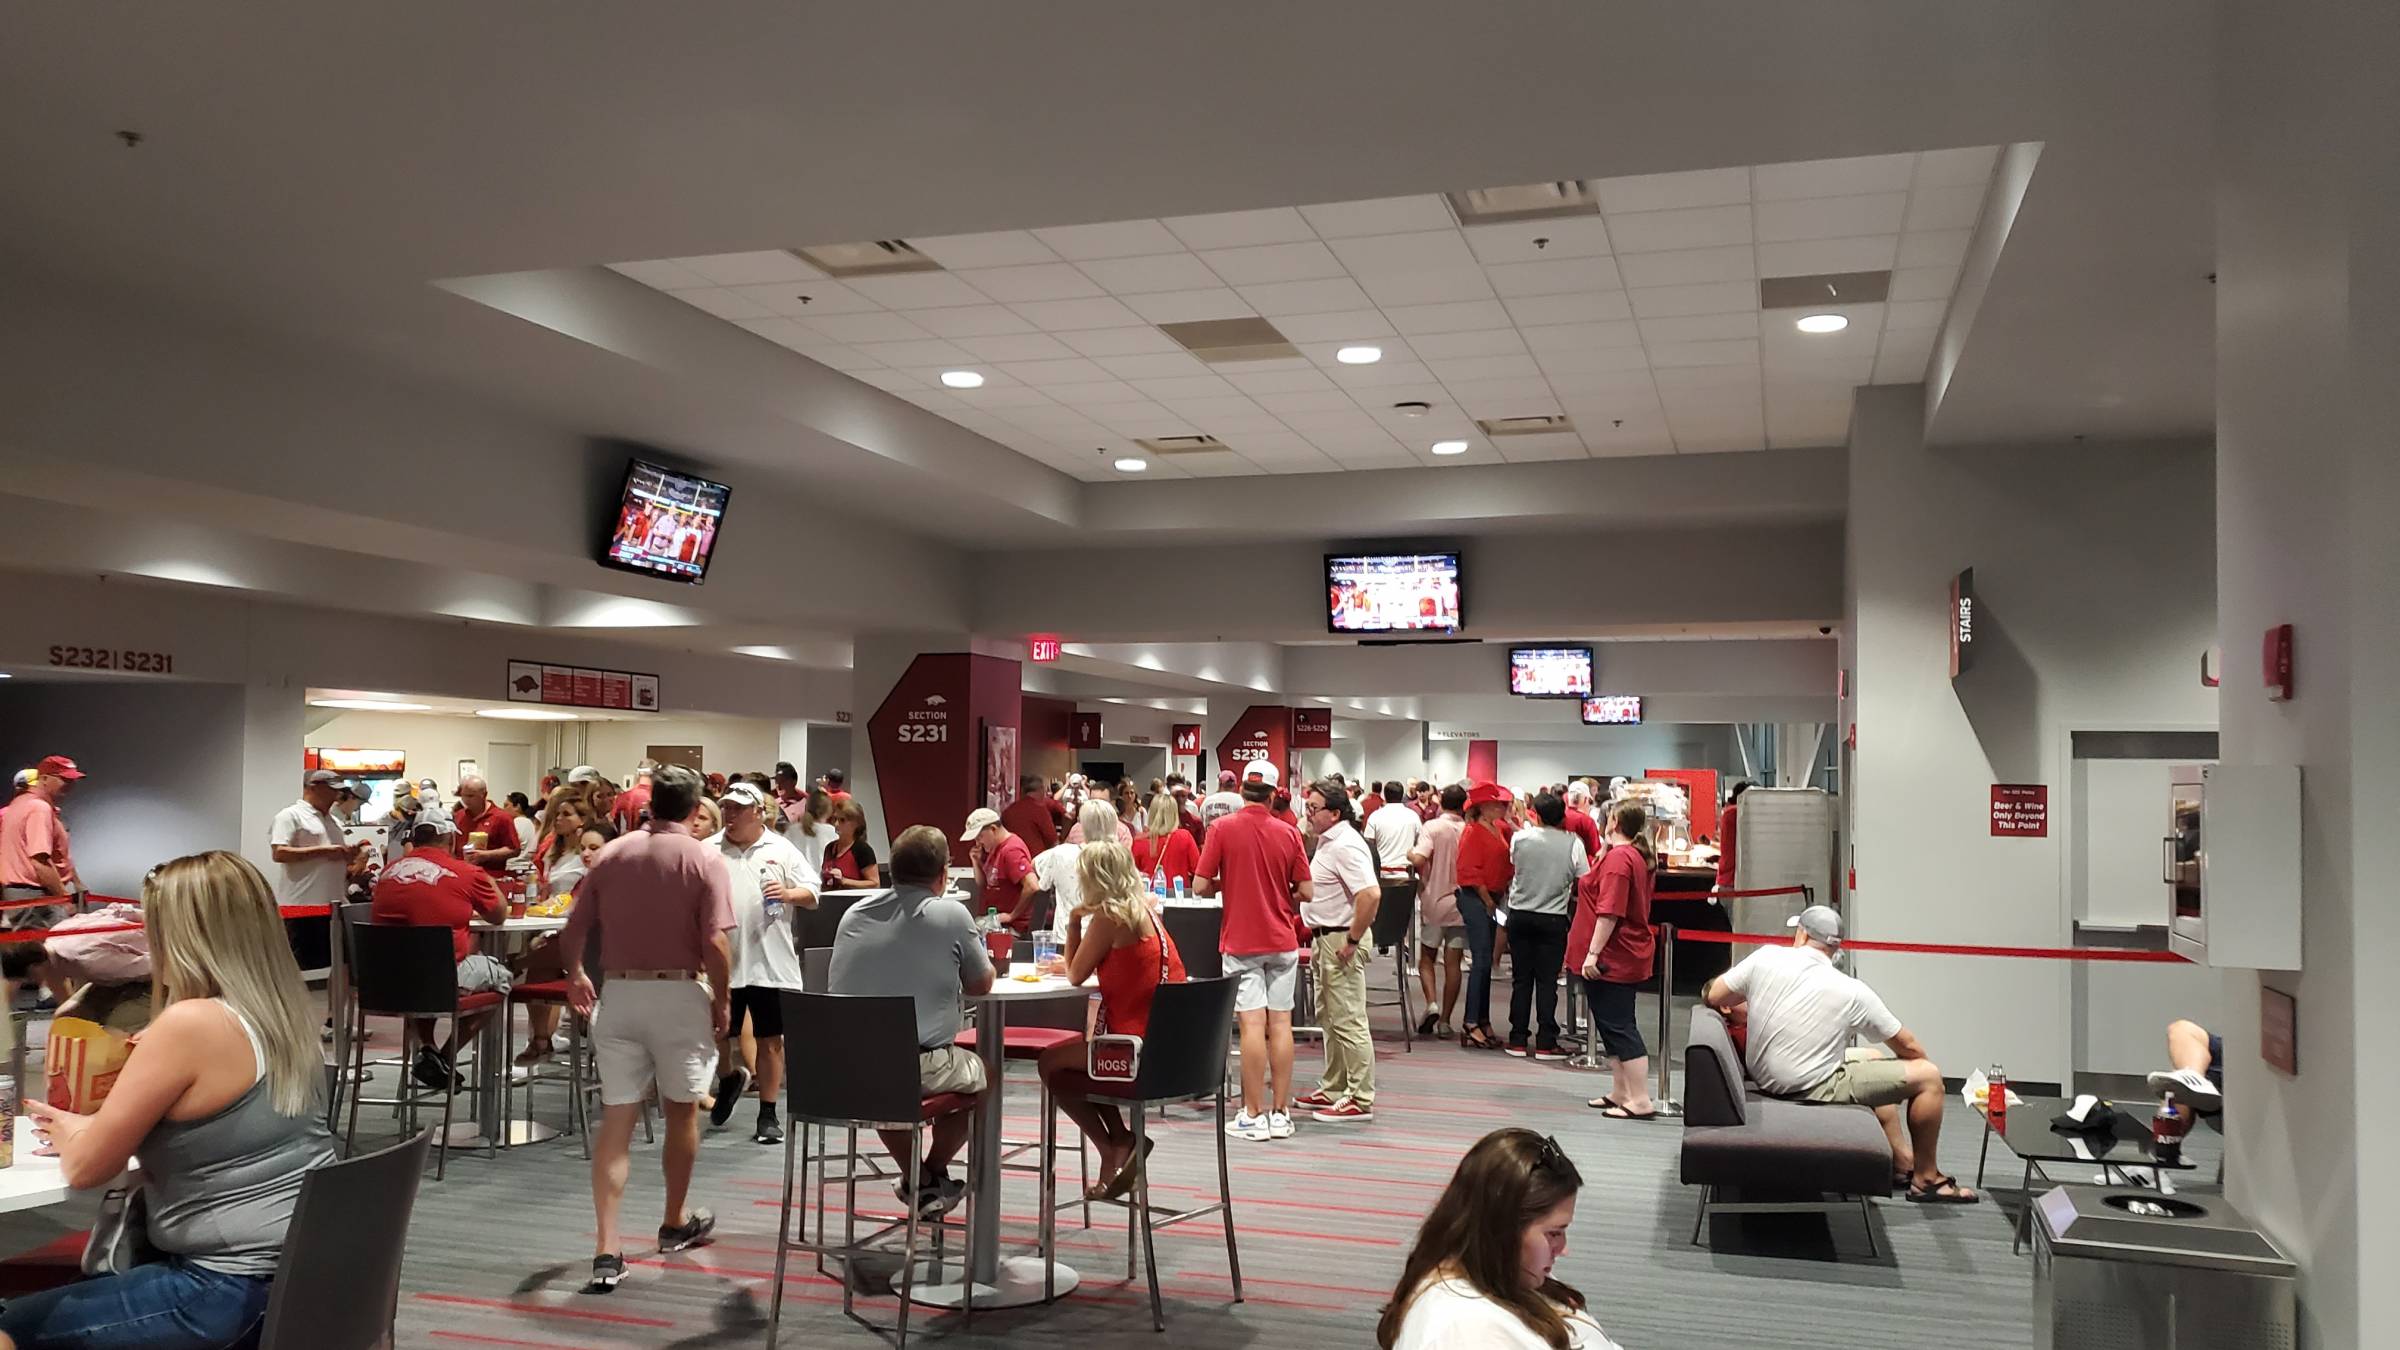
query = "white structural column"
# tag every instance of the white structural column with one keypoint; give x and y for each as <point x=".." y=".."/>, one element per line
<point x="2308" y="343"/>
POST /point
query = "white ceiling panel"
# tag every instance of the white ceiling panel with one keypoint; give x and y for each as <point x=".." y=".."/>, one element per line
<point x="1016" y="347"/>
<point x="890" y="379"/>
<point x="1944" y="208"/>
<point x="1001" y="396"/>
<point x="1505" y="398"/>
<point x="1905" y="314"/>
<point x="1190" y="306"/>
<point x="1933" y="248"/>
<point x="1533" y="449"/>
<point x="1387" y="380"/>
<point x="1279" y="381"/>
<point x="1684" y="267"/>
<point x="1833" y="177"/>
<point x="1924" y="283"/>
<point x="749" y="269"/>
<point x="1189" y="387"/>
<point x="1239" y="229"/>
<point x="1555" y="276"/>
<point x="971" y="321"/>
<point x="917" y="290"/>
<point x="1212" y="411"/>
<point x="725" y="304"/>
<point x="1304" y="401"/>
<point x="663" y="274"/>
<point x="1002" y="248"/>
<point x="1068" y="370"/>
<point x="1971" y="165"/>
<point x="1143" y="340"/>
<point x="1335" y="326"/>
<point x="1150" y="273"/>
<point x="1272" y="262"/>
<point x="1590" y="360"/>
<point x="1713" y="297"/>
<point x="1383" y="215"/>
<point x="842" y="358"/>
<point x="1422" y="251"/>
<point x="1830" y="217"/>
<point x="1673" y="191"/>
<point x="1035" y="281"/>
<point x="869" y="327"/>
<point x="1738" y="352"/>
<point x="928" y="352"/>
<point x="1094" y="393"/>
<point x="1114" y="239"/>
<point x="1427" y="288"/>
<point x="1699" y="328"/>
<point x="1578" y="337"/>
<point x="1491" y="342"/>
<point x="1699" y="227"/>
<point x="1462" y="317"/>
<point x="1067" y="316"/>
<point x="1455" y="369"/>
<point x="1535" y="240"/>
<point x="1280" y="299"/>
<point x="1152" y="366"/>
<point x="1531" y="311"/>
<point x="1811" y="257"/>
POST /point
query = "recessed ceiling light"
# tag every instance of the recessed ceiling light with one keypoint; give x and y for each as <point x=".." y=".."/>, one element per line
<point x="1449" y="447"/>
<point x="1823" y="323"/>
<point x="1133" y="464"/>
<point x="1359" y="356"/>
<point x="526" y="714"/>
<point x="371" y="704"/>
<point x="963" y="379"/>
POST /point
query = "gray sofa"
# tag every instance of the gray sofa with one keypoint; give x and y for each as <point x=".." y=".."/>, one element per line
<point x="1779" y="1156"/>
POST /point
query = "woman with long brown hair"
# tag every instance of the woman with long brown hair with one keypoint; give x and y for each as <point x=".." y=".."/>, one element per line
<point x="1480" y="1273"/>
<point x="850" y="860"/>
<point x="1614" y="948"/>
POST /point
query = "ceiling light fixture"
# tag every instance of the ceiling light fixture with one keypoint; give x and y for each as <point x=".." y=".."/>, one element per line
<point x="1359" y="356"/>
<point x="371" y="704"/>
<point x="1133" y="464"/>
<point x="1449" y="447"/>
<point x="1822" y="323"/>
<point x="526" y="714"/>
<point x="963" y="379"/>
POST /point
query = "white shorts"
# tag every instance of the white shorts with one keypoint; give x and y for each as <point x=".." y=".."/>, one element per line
<point x="654" y="1031"/>
<point x="482" y="974"/>
<point x="1266" y="980"/>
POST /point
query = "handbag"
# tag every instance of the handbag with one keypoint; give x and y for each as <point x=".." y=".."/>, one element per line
<point x="120" y="1236"/>
<point x="1111" y="1058"/>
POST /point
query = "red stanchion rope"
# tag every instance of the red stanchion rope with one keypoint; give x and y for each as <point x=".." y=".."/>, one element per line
<point x="1940" y="948"/>
<point x="1738" y="895"/>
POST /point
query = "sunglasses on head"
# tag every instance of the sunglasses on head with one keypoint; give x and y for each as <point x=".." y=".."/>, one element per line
<point x="1548" y="1155"/>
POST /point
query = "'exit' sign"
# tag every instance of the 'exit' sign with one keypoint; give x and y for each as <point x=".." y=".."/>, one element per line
<point x="1044" y="647"/>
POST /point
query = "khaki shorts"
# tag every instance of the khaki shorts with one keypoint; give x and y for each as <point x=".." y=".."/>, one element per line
<point x="1267" y="980"/>
<point x="1866" y="1078"/>
<point x="654" y="1031"/>
<point x="1449" y="937"/>
<point x="949" y="1068"/>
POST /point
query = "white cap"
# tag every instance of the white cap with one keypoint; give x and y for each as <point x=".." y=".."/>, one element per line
<point x="1263" y="768"/>
<point x="980" y="819"/>
<point x="583" y="773"/>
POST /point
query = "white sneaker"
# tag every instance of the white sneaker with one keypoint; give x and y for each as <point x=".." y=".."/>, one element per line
<point x="1279" y="1126"/>
<point x="1247" y="1126"/>
<point x="2194" y="1086"/>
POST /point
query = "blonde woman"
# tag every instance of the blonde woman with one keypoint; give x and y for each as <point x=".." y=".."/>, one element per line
<point x="1164" y="846"/>
<point x="221" y="1104"/>
<point x="1110" y="935"/>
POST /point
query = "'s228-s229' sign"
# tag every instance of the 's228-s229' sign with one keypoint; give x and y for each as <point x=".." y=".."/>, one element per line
<point x="113" y="658"/>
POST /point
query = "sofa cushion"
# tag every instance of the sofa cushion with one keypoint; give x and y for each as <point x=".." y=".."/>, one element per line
<point x="1712" y="1069"/>
<point x="1791" y="1146"/>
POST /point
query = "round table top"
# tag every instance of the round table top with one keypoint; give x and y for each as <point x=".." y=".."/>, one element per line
<point x="1009" y="989"/>
<point x="531" y="923"/>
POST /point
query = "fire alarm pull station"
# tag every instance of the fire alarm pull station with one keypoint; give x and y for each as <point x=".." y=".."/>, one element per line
<point x="2275" y="663"/>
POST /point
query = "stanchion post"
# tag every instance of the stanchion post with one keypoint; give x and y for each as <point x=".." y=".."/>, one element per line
<point x="1665" y="1101"/>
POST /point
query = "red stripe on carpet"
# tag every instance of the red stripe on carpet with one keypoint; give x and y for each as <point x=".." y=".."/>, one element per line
<point x="544" y="1310"/>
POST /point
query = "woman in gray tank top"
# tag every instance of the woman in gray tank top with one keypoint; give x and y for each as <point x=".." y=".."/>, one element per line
<point x="220" y="1104"/>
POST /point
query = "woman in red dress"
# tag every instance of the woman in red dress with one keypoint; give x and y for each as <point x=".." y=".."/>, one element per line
<point x="1112" y="935"/>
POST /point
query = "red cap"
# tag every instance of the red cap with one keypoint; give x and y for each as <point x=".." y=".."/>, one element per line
<point x="1479" y="793"/>
<point x="59" y="765"/>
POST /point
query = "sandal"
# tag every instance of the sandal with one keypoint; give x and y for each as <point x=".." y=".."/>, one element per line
<point x="1945" y="1190"/>
<point x="1615" y="1112"/>
<point x="1478" y="1038"/>
<point x="1602" y="1103"/>
<point x="1121" y="1185"/>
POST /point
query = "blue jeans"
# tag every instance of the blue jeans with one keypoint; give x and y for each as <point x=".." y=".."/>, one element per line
<point x="1478" y="918"/>
<point x="165" y="1305"/>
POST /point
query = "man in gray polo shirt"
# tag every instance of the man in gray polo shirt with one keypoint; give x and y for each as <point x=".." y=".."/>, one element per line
<point x="917" y="942"/>
<point x="1548" y="859"/>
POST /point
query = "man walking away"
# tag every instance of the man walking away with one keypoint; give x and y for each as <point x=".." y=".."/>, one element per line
<point x="1256" y="862"/>
<point x="1541" y="898"/>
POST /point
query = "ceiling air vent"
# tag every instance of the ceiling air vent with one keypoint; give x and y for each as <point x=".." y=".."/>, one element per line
<point x="1167" y="447"/>
<point x="1523" y="426"/>
<point x="875" y="258"/>
<point x="1822" y="289"/>
<point x="1530" y="201"/>
<point x="1225" y="341"/>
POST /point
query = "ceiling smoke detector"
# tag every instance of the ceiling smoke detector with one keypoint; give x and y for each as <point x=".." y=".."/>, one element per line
<point x="1412" y="408"/>
<point x="875" y="258"/>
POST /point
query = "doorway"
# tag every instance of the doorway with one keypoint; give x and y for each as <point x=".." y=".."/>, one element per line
<point x="508" y="767"/>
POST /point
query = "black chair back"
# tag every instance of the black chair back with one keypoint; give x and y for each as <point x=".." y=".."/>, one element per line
<point x="816" y="969"/>
<point x="851" y="1057"/>
<point x="337" y="1284"/>
<point x="1712" y="1072"/>
<point x="1393" y="912"/>
<point x="1196" y="930"/>
<point x="347" y="917"/>
<point x="1184" y="1048"/>
<point x="403" y="970"/>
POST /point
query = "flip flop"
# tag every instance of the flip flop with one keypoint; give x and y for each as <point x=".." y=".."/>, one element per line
<point x="1602" y="1104"/>
<point x="1615" y="1112"/>
<point x="1945" y="1190"/>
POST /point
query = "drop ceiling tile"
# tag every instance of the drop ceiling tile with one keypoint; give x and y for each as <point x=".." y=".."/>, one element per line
<point x="917" y="290"/>
<point x="1532" y="311"/>
<point x="1263" y="263"/>
<point x="931" y="400"/>
<point x="750" y="269"/>
<point x="1217" y="464"/>
<point x="1333" y="424"/>
<point x="1420" y="251"/>
<point x="1899" y="365"/>
<point x="1190" y="306"/>
<point x="1066" y="316"/>
<point x="1611" y="387"/>
<point x="1591" y="360"/>
<point x="1699" y="227"/>
<point x="1304" y="401"/>
<point x="1239" y="229"/>
<point x="1427" y="288"/>
<point x="1673" y="191"/>
<point x="1460" y="368"/>
<point x="1830" y="217"/>
<point x="1736" y="352"/>
<point x="1311" y="460"/>
<point x="1713" y="297"/>
<point x="1185" y="387"/>
<point x="1000" y="248"/>
<point x="1382" y="215"/>
<point x="1834" y="177"/>
<point x="1284" y="299"/>
<point x="1971" y="165"/>
<point x="1327" y="356"/>
<point x="1109" y="239"/>
<point x="1711" y="385"/>
<point x="1813" y="257"/>
<point x="877" y="327"/>
<point x="1491" y="342"/>
<point x="793" y="333"/>
<point x="1141" y="340"/>
<point x="1934" y="248"/>
<point x="1847" y="357"/>
<point x="890" y="379"/>
<point x="1069" y="370"/>
<point x="1924" y="283"/>
<point x="1699" y="328"/>
<point x="1177" y="271"/>
<point x="1634" y="438"/>
<point x="1683" y="267"/>
<point x="1017" y="347"/>
<point x="1337" y="326"/>
<point x="1140" y="419"/>
<point x="1539" y="240"/>
<point x="1505" y="398"/>
<point x="663" y="274"/>
<point x="970" y="321"/>
<point x="1579" y="337"/>
<point x="1207" y="408"/>
<point x="1033" y="281"/>
<point x="1277" y="363"/>
<point x="1094" y="393"/>
<point x="1278" y="381"/>
<point x="1462" y="317"/>
<point x="1905" y="314"/>
<point x="1542" y="446"/>
<point x="725" y="304"/>
<point x="1555" y="276"/>
<point x="1944" y="208"/>
<point x="804" y="298"/>
<point x="928" y="352"/>
<point x="1003" y="396"/>
<point x="1153" y="365"/>
<point x="1383" y="404"/>
<point x="1385" y="381"/>
<point x="1233" y="426"/>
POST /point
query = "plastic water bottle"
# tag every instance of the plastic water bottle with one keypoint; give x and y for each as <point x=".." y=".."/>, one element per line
<point x="1158" y="883"/>
<point x="768" y="872"/>
<point x="990" y="922"/>
<point x="1179" y="890"/>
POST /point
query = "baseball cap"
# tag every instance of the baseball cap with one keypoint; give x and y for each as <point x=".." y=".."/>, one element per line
<point x="744" y="794"/>
<point x="1225" y="778"/>
<point x="1261" y="768"/>
<point x="433" y="823"/>
<point x="322" y="778"/>
<point x="978" y="819"/>
<point x="25" y="778"/>
<point x="1822" y="922"/>
<point x="583" y="773"/>
<point x="57" y="764"/>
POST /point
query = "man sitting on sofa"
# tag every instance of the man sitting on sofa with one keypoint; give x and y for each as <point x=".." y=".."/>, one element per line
<point x="1802" y="1013"/>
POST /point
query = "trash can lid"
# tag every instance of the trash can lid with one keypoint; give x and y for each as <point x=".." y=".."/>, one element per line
<point x="2122" y="1223"/>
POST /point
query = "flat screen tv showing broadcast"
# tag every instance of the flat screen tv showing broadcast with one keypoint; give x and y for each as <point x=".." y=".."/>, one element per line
<point x="1550" y="672"/>
<point x="1613" y="710"/>
<point x="1391" y="593"/>
<point x="666" y="523"/>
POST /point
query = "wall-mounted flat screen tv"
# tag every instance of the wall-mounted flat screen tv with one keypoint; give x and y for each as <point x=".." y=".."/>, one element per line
<point x="1550" y="672"/>
<point x="1391" y="593"/>
<point x="1613" y="710"/>
<point x="666" y="523"/>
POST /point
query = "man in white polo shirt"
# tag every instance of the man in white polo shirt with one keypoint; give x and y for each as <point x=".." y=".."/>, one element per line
<point x="315" y="860"/>
<point x="1340" y="914"/>
<point x="1802" y="1013"/>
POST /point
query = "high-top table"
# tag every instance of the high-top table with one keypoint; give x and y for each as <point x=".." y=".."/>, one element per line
<point x="33" y="1181"/>
<point x="491" y="1049"/>
<point x="996" y="1282"/>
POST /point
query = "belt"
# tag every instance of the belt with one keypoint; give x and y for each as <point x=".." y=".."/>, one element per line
<point x="653" y="974"/>
<point x="1344" y="930"/>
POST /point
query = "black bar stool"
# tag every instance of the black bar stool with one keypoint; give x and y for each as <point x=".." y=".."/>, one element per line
<point x="337" y="1283"/>
<point x="408" y="972"/>
<point x="1392" y="916"/>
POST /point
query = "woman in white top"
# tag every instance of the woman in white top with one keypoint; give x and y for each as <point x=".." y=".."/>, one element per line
<point x="1479" y="1277"/>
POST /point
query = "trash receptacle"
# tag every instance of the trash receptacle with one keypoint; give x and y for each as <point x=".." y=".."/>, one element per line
<point x="2123" y="1269"/>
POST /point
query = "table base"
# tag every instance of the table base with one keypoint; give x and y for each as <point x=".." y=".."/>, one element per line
<point x="1016" y="1283"/>
<point x="468" y="1134"/>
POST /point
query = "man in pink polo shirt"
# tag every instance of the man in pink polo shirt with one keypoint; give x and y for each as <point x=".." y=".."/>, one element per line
<point x="1256" y="862"/>
<point x="663" y="902"/>
<point x="33" y="846"/>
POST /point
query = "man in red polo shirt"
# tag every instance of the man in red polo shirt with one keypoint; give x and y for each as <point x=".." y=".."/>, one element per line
<point x="1033" y="817"/>
<point x="837" y="785"/>
<point x="1002" y="862"/>
<point x="428" y="887"/>
<point x="1257" y="864"/>
<point x="1580" y="822"/>
<point x="477" y="814"/>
